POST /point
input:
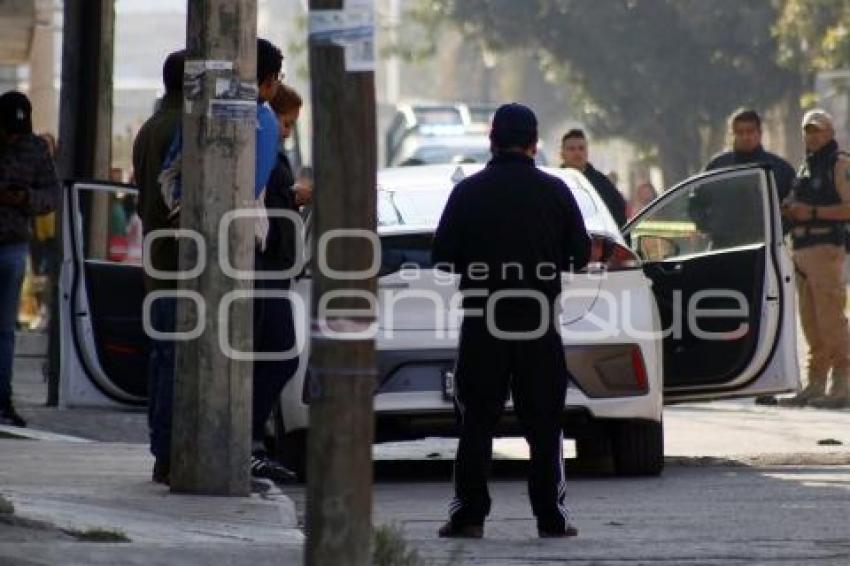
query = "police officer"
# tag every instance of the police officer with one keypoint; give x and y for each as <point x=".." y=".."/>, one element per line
<point x="510" y="230"/>
<point x="819" y="210"/>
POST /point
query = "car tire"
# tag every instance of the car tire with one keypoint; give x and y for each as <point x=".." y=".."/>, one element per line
<point x="593" y="452"/>
<point x="290" y="448"/>
<point x="638" y="447"/>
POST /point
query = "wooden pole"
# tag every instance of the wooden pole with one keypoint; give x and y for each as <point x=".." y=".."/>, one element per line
<point x="339" y="464"/>
<point x="211" y="438"/>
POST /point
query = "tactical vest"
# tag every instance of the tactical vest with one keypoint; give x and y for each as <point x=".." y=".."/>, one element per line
<point x="815" y="186"/>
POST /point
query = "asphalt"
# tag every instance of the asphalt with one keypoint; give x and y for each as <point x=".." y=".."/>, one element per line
<point x="744" y="484"/>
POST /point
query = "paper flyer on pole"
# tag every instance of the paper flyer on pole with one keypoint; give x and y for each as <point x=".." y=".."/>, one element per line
<point x="353" y="28"/>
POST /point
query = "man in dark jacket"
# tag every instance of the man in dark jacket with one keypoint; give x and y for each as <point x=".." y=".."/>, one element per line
<point x="574" y="154"/>
<point x="510" y="230"/>
<point x="745" y="126"/>
<point x="28" y="187"/>
<point x="149" y="150"/>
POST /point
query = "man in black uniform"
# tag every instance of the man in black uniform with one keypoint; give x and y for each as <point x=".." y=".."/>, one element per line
<point x="745" y="126"/>
<point x="510" y="230"/>
<point x="574" y="154"/>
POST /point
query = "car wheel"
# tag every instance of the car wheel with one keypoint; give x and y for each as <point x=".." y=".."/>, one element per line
<point x="290" y="448"/>
<point x="593" y="452"/>
<point x="638" y="447"/>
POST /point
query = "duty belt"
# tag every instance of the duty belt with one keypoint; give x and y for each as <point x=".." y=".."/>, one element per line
<point x="807" y="236"/>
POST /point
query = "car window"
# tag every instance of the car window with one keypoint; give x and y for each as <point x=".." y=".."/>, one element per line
<point x="110" y="225"/>
<point x="435" y="155"/>
<point x="422" y="207"/>
<point x="712" y="215"/>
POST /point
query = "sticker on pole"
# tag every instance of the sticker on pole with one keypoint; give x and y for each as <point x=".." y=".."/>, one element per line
<point x="352" y="28"/>
<point x="235" y="110"/>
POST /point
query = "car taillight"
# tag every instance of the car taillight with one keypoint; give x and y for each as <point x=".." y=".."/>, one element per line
<point x="639" y="369"/>
<point x="608" y="255"/>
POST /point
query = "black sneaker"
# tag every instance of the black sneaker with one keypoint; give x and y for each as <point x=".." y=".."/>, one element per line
<point x="8" y="416"/>
<point x="161" y="472"/>
<point x="567" y="532"/>
<point x="452" y="530"/>
<point x="264" y="467"/>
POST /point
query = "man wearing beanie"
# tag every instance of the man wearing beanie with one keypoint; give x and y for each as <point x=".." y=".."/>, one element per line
<point x="28" y="188"/>
<point x="509" y="231"/>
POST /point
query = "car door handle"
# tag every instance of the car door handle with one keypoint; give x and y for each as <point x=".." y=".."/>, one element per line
<point x="670" y="269"/>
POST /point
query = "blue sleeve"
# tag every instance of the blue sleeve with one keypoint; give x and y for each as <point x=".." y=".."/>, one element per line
<point x="268" y="140"/>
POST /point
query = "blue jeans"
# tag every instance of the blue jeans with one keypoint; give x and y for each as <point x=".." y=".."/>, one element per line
<point x="13" y="264"/>
<point x="161" y="383"/>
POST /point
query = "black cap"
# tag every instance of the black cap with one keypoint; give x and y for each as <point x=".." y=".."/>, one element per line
<point x="172" y="72"/>
<point x="15" y="113"/>
<point x="514" y="125"/>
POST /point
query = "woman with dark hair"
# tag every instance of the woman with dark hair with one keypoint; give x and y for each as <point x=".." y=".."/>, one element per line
<point x="274" y="329"/>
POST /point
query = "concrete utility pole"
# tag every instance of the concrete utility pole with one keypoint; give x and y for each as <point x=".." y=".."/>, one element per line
<point x="211" y="442"/>
<point x="42" y="73"/>
<point x="85" y="132"/>
<point x="339" y="465"/>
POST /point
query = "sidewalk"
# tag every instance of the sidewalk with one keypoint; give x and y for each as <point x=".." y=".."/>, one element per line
<point x="77" y="485"/>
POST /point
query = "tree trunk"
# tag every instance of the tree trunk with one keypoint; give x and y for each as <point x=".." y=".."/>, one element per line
<point x="678" y="154"/>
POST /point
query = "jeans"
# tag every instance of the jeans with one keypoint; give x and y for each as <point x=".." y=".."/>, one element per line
<point x="13" y="263"/>
<point x="161" y="384"/>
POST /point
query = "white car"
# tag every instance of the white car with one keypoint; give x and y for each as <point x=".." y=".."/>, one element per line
<point x="696" y="303"/>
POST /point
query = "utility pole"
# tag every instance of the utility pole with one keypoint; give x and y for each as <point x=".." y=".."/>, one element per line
<point x="342" y="370"/>
<point x="211" y="440"/>
<point x="85" y="133"/>
<point x="42" y="73"/>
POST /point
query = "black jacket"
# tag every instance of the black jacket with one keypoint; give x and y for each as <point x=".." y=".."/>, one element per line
<point x="511" y="214"/>
<point x="25" y="165"/>
<point x="279" y="254"/>
<point x="782" y="170"/>
<point x="610" y="195"/>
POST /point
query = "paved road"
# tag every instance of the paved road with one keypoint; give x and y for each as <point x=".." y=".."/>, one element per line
<point x="691" y="515"/>
<point x="744" y="484"/>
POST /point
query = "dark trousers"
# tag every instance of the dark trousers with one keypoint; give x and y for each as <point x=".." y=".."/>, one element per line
<point x="13" y="265"/>
<point x="535" y="372"/>
<point x="274" y="331"/>
<point x="161" y="379"/>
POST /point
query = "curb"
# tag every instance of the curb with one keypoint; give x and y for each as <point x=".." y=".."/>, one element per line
<point x="35" y="434"/>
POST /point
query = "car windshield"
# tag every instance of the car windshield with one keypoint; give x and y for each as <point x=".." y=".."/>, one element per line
<point x="421" y="207"/>
<point x="451" y="154"/>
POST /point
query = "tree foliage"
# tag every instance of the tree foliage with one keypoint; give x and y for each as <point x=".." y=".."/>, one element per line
<point x="814" y="35"/>
<point x="660" y="73"/>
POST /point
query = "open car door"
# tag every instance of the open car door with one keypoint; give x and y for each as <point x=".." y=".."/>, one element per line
<point x="724" y="284"/>
<point x="104" y="349"/>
